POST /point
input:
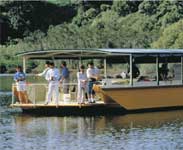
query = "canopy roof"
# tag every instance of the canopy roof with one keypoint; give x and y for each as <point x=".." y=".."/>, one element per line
<point x="140" y="54"/>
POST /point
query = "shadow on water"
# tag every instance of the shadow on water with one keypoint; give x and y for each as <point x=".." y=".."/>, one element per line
<point x="142" y="120"/>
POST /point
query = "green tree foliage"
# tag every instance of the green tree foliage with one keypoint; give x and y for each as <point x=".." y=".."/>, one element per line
<point x="171" y="37"/>
<point x="26" y="17"/>
<point x="124" y="8"/>
<point x="40" y="25"/>
<point x="149" y="7"/>
<point x="85" y="18"/>
<point x="165" y="12"/>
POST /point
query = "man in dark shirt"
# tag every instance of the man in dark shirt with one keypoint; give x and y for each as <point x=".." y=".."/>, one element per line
<point x="64" y="78"/>
<point x="135" y="71"/>
<point x="163" y="72"/>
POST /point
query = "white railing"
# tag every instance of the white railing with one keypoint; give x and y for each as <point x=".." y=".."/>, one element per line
<point x="37" y="93"/>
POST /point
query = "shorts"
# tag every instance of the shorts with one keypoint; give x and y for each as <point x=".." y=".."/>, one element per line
<point x="21" y="86"/>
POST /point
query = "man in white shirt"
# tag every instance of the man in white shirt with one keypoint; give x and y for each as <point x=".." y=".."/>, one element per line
<point x="52" y="76"/>
<point x="47" y="67"/>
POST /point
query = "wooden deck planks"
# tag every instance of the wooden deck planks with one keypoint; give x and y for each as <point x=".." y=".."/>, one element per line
<point x="62" y="104"/>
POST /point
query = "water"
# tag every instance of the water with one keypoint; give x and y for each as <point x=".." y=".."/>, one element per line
<point x="148" y="131"/>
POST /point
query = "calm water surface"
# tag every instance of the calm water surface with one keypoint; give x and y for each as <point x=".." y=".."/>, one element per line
<point x="151" y="131"/>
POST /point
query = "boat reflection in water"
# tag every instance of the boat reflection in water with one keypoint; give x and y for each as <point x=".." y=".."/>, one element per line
<point x="132" y="131"/>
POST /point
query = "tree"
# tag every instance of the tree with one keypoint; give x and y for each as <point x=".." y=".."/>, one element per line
<point x="171" y="37"/>
<point x="124" y="8"/>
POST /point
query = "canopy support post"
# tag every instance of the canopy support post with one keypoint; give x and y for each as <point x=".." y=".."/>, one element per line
<point x="80" y="62"/>
<point x="53" y="59"/>
<point x="182" y="69"/>
<point x="157" y="70"/>
<point x="131" y="70"/>
<point x="24" y="64"/>
<point x="105" y="68"/>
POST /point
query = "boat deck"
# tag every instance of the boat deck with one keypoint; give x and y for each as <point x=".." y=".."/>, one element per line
<point x="61" y="104"/>
<point x="70" y="108"/>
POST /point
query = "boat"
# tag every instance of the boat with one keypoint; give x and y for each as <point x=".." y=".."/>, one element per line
<point x="148" y="91"/>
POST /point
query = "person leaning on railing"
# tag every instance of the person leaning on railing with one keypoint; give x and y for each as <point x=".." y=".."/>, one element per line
<point x="19" y="78"/>
<point x="47" y="67"/>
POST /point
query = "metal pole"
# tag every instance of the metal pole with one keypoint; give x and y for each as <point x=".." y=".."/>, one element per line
<point x="105" y="68"/>
<point x="131" y="70"/>
<point x="157" y="70"/>
<point x="182" y="69"/>
<point x="34" y="91"/>
<point x="80" y="62"/>
<point x="53" y="59"/>
<point x="24" y="64"/>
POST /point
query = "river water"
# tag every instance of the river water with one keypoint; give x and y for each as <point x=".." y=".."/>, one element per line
<point x="145" y="131"/>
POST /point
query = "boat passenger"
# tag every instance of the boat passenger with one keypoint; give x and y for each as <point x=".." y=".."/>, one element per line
<point x="65" y="77"/>
<point x="135" y="71"/>
<point x="163" y="72"/>
<point x="92" y="77"/>
<point x="82" y="82"/>
<point x="19" y="78"/>
<point x="47" y="67"/>
<point x="52" y="76"/>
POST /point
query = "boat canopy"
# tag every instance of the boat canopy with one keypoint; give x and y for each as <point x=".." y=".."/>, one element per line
<point x="140" y="55"/>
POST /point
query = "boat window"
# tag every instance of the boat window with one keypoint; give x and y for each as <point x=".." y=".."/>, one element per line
<point x="117" y="71"/>
<point x="169" y="73"/>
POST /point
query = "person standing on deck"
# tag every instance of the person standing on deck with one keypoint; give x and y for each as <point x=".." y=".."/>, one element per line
<point x="47" y="67"/>
<point x="82" y="81"/>
<point x="52" y="76"/>
<point x="92" y="77"/>
<point x="19" y="78"/>
<point x="64" y="80"/>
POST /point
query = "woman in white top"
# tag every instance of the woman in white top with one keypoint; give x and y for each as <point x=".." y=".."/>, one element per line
<point x="82" y="80"/>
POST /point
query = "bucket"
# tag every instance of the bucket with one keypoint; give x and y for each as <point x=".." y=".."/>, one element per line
<point x="67" y="97"/>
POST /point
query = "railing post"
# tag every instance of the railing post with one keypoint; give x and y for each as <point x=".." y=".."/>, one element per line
<point x="13" y="96"/>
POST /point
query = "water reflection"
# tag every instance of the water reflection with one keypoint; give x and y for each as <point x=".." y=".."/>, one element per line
<point x="160" y="130"/>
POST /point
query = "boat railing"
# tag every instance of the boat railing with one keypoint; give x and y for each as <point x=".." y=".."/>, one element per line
<point x="37" y="92"/>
